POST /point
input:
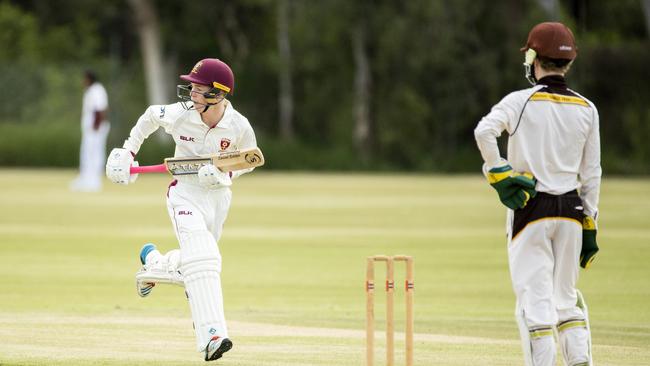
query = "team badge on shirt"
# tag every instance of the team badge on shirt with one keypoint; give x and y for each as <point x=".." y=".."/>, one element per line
<point x="224" y="143"/>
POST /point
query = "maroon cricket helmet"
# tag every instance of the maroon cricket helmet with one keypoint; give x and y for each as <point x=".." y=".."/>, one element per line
<point x="553" y="40"/>
<point x="212" y="72"/>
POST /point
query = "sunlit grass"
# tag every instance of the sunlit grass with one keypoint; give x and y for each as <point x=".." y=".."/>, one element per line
<point x="294" y="250"/>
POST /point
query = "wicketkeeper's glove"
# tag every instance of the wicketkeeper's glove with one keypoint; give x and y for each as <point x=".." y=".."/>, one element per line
<point x="514" y="189"/>
<point x="589" y="246"/>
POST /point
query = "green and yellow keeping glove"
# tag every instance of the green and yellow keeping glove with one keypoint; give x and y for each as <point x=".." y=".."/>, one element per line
<point x="589" y="246"/>
<point x="514" y="189"/>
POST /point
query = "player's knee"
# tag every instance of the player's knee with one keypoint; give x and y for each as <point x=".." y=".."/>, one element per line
<point x="199" y="252"/>
<point x="538" y="309"/>
<point x="197" y="264"/>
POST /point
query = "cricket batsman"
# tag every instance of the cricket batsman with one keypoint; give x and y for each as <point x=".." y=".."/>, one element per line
<point x="203" y="122"/>
<point x="550" y="183"/>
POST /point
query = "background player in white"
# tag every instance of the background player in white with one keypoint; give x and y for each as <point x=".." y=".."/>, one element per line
<point x="205" y="122"/>
<point x="94" y="131"/>
<point x="553" y="134"/>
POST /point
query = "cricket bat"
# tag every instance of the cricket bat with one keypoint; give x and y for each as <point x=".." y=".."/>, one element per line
<point x="226" y="162"/>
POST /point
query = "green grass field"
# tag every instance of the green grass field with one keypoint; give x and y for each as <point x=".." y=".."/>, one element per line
<point x="294" y="251"/>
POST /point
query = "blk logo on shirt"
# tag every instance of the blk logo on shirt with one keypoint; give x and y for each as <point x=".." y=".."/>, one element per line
<point x="185" y="138"/>
<point x="183" y="212"/>
<point x="224" y="143"/>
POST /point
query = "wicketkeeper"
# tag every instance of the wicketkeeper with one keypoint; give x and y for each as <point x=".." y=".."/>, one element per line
<point x="550" y="183"/>
<point x="204" y="122"/>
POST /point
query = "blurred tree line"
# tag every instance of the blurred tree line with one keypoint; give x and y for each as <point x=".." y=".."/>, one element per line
<point x="332" y="84"/>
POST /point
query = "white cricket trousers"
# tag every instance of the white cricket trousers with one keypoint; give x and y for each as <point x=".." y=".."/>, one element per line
<point x="198" y="215"/>
<point x="92" y="156"/>
<point x="543" y="271"/>
<point x="544" y="243"/>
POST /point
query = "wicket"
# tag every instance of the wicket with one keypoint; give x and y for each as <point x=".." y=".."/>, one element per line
<point x="370" y="307"/>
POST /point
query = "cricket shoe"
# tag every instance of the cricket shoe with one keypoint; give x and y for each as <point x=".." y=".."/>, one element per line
<point x="158" y="271"/>
<point x="217" y="347"/>
<point x="144" y="288"/>
<point x="146" y="249"/>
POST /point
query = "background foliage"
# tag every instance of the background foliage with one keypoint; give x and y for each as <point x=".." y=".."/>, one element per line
<point x="436" y="67"/>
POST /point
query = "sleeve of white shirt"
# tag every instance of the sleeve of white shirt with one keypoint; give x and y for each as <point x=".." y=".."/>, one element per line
<point x="247" y="141"/>
<point x="100" y="99"/>
<point x="590" y="170"/>
<point x="491" y="126"/>
<point x="147" y="124"/>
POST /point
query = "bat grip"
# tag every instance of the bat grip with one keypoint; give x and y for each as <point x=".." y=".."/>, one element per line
<point x="161" y="168"/>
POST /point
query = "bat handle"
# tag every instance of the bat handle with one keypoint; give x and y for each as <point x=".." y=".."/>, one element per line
<point x="161" y="168"/>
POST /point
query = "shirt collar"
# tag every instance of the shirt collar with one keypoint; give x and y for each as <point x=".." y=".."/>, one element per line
<point x="555" y="84"/>
<point x="553" y="81"/>
<point x="225" y="121"/>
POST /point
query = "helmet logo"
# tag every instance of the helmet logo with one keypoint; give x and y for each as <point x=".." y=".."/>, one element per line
<point x="197" y="67"/>
<point x="224" y="143"/>
<point x="565" y="48"/>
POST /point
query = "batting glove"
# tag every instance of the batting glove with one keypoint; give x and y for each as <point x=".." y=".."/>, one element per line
<point x="118" y="166"/>
<point x="514" y="189"/>
<point x="589" y="245"/>
<point x="212" y="178"/>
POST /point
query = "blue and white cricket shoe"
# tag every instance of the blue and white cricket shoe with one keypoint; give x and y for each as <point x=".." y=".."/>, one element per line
<point x="146" y="249"/>
<point x="159" y="269"/>
<point x="144" y="288"/>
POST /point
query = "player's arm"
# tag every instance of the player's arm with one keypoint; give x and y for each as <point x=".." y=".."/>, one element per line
<point x="147" y="124"/>
<point x="486" y="133"/>
<point x="99" y="116"/>
<point x="120" y="160"/>
<point x="212" y="177"/>
<point x="504" y="116"/>
<point x="590" y="176"/>
<point x="100" y="101"/>
<point x="247" y="141"/>
<point x="590" y="170"/>
<point x="514" y="189"/>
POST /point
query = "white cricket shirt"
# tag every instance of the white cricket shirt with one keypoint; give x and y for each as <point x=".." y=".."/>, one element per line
<point x="191" y="135"/>
<point x="554" y="134"/>
<point x="94" y="99"/>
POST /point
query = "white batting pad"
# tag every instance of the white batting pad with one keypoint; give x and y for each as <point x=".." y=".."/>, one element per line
<point x="538" y="343"/>
<point x="161" y="268"/>
<point x="543" y="346"/>
<point x="201" y="268"/>
<point x="524" y="334"/>
<point x="574" y="336"/>
<point x="582" y="304"/>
